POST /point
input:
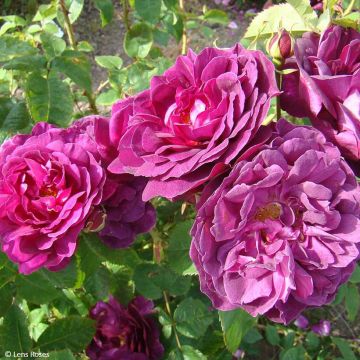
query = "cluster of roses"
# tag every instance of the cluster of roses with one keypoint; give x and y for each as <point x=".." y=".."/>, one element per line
<point x="278" y="221"/>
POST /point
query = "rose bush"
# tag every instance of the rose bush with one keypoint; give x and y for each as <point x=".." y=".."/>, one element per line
<point x="194" y="120"/>
<point x="125" y="333"/>
<point x="281" y="231"/>
<point x="326" y="87"/>
<point x="274" y="208"/>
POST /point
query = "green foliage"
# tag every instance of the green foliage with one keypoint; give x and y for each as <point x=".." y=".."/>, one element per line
<point x="235" y="325"/>
<point x="73" y="332"/>
<point x="192" y="318"/>
<point x="179" y="246"/>
<point x="49" y="99"/>
<point x="14" y="331"/>
<point x="138" y="40"/>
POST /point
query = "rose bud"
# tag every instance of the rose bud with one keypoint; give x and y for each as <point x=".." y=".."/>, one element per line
<point x="301" y="322"/>
<point x="323" y="328"/>
<point x="280" y="46"/>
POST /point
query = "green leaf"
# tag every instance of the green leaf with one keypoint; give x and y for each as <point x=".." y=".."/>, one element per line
<point x="296" y="353"/>
<point x="26" y="63"/>
<point x="272" y="335"/>
<point x="355" y="277"/>
<point x="106" y="9"/>
<point x="324" y="21"/>
<point x="6" y="296"/>
<point x="192" y="318"/>
<point x="344" y="348"/>
<point x="76" y="66"/>
<point x="161" y="37"/>
<point x="170" y="4"/>
<point x="92" y="251"/>
<point x="108" y="97"/>
<point x="288" y="340"/>
<point x="215" y="16"/>
<point x="352" y="302"/>
<point x="11" y="22"/>
<point x="18" y="118"/>
<point x="151" y="279"/>
<point x="46" y="12"/>
<point x="189" y="353"/>
<point x="179" y="246"/>
<point x="65" y="278"/>
<point x="235" y="324"/>
<point x="340" y="294"/>
<point x="98" y="284"/>
<point x="73" y="332"/>
<point x="49" y="99"/>
<point x="11" y="47"/>
<point x="304" y="9"/>
<point x="36" y="288"/>
<point x="85" y="46"/>
<point x="61" y="355"/>
<point x="109" y="62"/>
<point x="15" y="334"/>
<point x="75" y="10"/>
<point x="312" y="341"/>
<point x="269" y="21"/>
<point x="149" y="10"/>
<point x="252" y="336"/>
<point x="351" y="20"/>
<point x="53" y="45"/>
<point x="138" y="40"/>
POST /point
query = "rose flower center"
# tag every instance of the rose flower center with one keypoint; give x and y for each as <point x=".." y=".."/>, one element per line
<point x="48" y="190"/>
<point x="269" y="211"/>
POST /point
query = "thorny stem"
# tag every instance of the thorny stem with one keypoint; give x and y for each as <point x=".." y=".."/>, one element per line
<point x="157" y="246"/>
<point x="126" y="14"/>
<point x="184" y="35"/>
<point x="157" y="256"/>
<point x="167" y="306"/>
<point x="70" y="34"/>
<point x="68" y="27"/>
<point x="278" y="76"/>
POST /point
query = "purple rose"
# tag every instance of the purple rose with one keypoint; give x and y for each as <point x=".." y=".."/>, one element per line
<point x="323" y="328"/>
<point x="50" y="181"/>
<point x="327" y="86"/>
<point x="281" y="232"/>
<point x="125" y="333"/>
<point x="194" y="120"/>
<point x="127" y="215"/>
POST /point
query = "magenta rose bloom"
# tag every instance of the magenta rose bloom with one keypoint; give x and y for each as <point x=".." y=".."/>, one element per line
<point x="194" y="120"/>
<point x="281" y="232"/>
<point x="127" y="215"/>
<point x="327" y="86"/>
<point x="50" y="181"/>
<point x="125" y="333"/>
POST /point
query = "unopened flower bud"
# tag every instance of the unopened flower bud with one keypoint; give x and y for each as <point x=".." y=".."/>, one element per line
<point x="280" y="46"/>
<point x="323" y="328"/>
<point x="302" y="322"/>
<point x="96" y="220"/>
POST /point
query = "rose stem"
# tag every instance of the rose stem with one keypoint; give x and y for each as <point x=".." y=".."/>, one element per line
<point x="157" y="256"/>
<point x="70" y="34"/>
<point x="167" y="305"/>
<point x="184" y="36"/>
<point x="126" y="14"/>
<point x="278" y="81"/>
